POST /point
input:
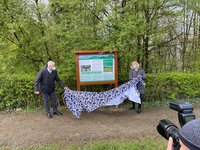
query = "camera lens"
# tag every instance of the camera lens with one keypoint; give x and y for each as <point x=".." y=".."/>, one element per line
<point x="167" y="129"/>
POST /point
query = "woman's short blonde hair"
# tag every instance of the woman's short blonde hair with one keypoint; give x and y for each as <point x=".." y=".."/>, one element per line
<point x="135" y="63"/>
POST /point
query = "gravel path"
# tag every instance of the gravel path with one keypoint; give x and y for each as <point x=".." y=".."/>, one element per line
<point x="21" y="129"/>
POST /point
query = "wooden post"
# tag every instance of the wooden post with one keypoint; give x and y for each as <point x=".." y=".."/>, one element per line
<point x="77" y="74"/>
<point x="116" y="68"/>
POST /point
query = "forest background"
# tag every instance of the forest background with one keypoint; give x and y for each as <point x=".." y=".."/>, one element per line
<point x="162" y="35"/>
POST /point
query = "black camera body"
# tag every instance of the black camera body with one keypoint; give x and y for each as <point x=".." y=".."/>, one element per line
<point x="185" y="111"/>
<point x="167" y="129"/>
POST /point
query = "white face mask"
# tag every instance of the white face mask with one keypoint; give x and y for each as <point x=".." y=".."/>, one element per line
<point x="54" y="68"/>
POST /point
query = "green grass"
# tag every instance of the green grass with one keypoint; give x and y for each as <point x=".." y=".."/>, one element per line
<point x="142" y="144"/>
<point x="145" y="144"/>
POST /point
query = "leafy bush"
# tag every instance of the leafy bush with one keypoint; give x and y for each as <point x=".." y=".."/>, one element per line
<point x="17" y="90"/>
<point x="172" y="86"/>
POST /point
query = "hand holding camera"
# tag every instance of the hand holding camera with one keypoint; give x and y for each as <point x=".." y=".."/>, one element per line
<point x="170" y="144"/>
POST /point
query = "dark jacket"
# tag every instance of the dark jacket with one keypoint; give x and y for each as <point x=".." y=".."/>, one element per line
<point x="140" y="85"/>
<point x="46" y="81"/>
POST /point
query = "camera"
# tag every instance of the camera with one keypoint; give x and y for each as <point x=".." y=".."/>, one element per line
<point x="185" y="111"/>
<point x="167" y="129"/>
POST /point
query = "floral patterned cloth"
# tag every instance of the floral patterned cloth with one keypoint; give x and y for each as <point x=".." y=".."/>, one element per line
<point x="77" y="101"/>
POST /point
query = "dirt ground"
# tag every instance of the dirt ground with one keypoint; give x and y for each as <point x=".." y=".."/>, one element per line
<point x="21" y="129"/>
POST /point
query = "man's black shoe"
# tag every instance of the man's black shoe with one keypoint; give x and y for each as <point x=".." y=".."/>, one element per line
<point x="49" y="115"/>
<point x="57" y="113"/>
<point x="139" y="110"/>
<point x="131" y="108"/>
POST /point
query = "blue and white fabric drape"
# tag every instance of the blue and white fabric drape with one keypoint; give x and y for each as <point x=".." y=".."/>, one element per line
<point x="77" y="101"/>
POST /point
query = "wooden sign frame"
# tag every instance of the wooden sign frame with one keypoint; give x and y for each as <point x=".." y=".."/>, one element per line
<point x="96" y="52"/>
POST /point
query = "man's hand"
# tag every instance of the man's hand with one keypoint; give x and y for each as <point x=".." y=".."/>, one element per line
<point x="37" y="92"/>
<point x="170" y="144"/>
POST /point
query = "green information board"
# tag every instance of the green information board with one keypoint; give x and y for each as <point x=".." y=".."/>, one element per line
<point x="94" y="68"/>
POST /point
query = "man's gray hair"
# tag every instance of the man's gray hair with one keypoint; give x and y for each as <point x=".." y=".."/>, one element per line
<point x="51" y="63"/>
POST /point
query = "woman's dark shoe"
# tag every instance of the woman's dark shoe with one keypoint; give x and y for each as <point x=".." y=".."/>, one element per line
<point x="131" y="108"/>
<point x="139" y="110"/>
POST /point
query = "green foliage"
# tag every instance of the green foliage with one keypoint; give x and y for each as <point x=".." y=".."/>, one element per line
<point x="32" y="33"/>
<point x="17" y="90"/>
<point x="147" y="31"/>
<point x="172" y="86"/>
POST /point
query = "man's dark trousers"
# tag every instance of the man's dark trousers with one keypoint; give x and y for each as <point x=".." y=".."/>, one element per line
<point x="45" y="97"/>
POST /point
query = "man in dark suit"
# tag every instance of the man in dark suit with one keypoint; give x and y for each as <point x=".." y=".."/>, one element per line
<point x="45" y="81"/>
